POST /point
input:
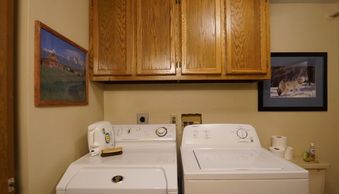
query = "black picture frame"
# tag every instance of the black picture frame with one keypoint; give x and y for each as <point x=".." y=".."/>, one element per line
<point x="298" y="83"/>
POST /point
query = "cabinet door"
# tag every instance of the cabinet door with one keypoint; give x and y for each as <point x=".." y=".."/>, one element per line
<point x="113" y="37"/>
<point x="155" y="31"/>
<point x="247" y="50"/>
<point x="201" y="36"/>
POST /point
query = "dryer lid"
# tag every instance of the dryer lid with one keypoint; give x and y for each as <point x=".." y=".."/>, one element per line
<point x="118" y="180"/>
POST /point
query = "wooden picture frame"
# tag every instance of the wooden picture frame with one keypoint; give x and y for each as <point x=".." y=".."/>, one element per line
<point x="298" y="83"/>
<point x="61" y="75"/>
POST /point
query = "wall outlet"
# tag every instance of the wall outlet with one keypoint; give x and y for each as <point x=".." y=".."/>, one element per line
<point x="142" y="118"/>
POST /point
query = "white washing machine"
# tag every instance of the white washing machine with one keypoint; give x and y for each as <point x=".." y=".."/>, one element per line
<point x="228" y="159"/>
<point x="148" y="164"/>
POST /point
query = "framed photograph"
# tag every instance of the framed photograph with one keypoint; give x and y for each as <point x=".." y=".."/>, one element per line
<point x="298" y="83"/>
<point x="61" y="77"/>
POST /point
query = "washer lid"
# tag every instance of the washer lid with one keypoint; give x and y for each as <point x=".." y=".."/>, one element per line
<point x="236" y="159"/>
<point x="91" y="180"/>
<point x="237" y="164"/>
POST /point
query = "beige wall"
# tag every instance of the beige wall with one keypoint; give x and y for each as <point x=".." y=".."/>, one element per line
<point x="49" y="139"/>
<point x="295" y="27"/>
<point x="317" y="34"/>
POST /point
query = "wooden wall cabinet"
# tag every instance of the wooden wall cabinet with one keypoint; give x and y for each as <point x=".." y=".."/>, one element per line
<point x="112" y="37"/>
<point x="149" y="40"/>
<point x="155" y="30"/>
<point x="201" y="36"/>
<point x="247" y="43"/>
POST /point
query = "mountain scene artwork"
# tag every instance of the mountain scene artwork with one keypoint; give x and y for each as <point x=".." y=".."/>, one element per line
<point x="62" y="70"/>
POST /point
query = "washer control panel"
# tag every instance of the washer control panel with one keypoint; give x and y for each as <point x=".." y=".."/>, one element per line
<point x="221" y="134"/>
<point x="145" y="132"/>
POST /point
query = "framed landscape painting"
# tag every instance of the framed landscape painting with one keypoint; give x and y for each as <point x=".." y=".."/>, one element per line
<point x="298" y="83"/>
<point x="61" y="77"/>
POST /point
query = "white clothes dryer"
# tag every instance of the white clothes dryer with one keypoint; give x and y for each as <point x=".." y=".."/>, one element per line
<point x="228" y="159"/>
<point x="148" y="164"/>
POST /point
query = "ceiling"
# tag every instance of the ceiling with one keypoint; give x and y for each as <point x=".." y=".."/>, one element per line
<point x="304" y="1"/>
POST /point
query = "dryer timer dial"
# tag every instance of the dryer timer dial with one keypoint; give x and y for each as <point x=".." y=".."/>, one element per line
<point x="161" y="132"/>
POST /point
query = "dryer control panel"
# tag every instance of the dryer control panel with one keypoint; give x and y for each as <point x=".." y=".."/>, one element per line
<point x="145" y="132"/>
<point x="225" y="135"/>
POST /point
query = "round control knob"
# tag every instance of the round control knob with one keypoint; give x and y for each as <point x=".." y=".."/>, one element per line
<point x="161" y="132"/>
<point x="242" y="133"/>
